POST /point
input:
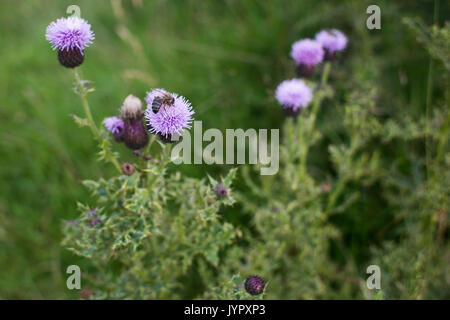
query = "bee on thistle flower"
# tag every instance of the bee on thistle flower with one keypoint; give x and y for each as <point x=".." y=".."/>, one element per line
<point x="165" y="99"/>
<point x="176" y="116"/>
<point x="70" y="36"/>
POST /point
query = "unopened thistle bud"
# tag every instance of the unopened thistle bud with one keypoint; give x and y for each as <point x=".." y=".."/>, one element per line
<point x="221" y="190"/>
<point x="254" y="285"/>
<point x="128" y="168"/>
<point x="70" y="36"/>
<point x="134" y="134"/>
<point x="307" y="54"/>
<point x="293" y="95"/>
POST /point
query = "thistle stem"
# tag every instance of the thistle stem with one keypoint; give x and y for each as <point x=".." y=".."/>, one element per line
<point x="87" y="111"/>
<point x="313" y="116"/>
<point x="335" y="195"/>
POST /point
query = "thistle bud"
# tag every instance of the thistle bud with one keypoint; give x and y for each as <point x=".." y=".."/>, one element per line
<point x="221" y="190"/>
<point x="254" y="285"/>
<point x="128" y="168"/>
<point x="70" y="58"/>
<point x="304" y="70"/>
<point x="131" y="108"/>
<point x="134" y="134"/>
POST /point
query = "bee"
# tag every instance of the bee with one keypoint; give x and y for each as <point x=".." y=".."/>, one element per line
<point x="165" y="99"/>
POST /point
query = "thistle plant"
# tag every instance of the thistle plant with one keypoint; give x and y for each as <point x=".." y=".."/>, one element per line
<point x="145" y="227"/>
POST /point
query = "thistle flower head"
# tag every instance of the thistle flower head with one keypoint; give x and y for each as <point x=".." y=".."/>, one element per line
<point x="332" y="40"/>
<point x="293" y="94"/>
<point x="114" y="125"/>
<point x="308" y="52"/>
<point x="69" y="33"/>
<point x="254" y="285"/>
<point x="169" y="119"/>
<point x="131" y="108"/>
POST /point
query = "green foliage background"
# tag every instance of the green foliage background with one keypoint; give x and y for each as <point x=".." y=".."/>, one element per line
<point x="227" y="57"/>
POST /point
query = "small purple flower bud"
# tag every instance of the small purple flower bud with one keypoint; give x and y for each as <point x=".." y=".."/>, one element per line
<point x="92" y="212"/>
<point x="128" y="168"/>
<point x="254" y="285"/>
<point x="95" y="221"/>
<point x="221" y="190"/>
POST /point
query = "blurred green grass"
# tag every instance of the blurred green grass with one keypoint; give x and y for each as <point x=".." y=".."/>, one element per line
<point x="225" y="56"/>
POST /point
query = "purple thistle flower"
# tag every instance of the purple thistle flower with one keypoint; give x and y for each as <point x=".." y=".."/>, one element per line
<point x="308" y="52"/>
<point x="113" y="125"/>
<point x="293" y="95"/>
<point x="221" y="190"/>
<point x="70" y="36"/>
<point x="332" y="41"/>
<point x="170" y="119"/>
<point x="69" y="33"/>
